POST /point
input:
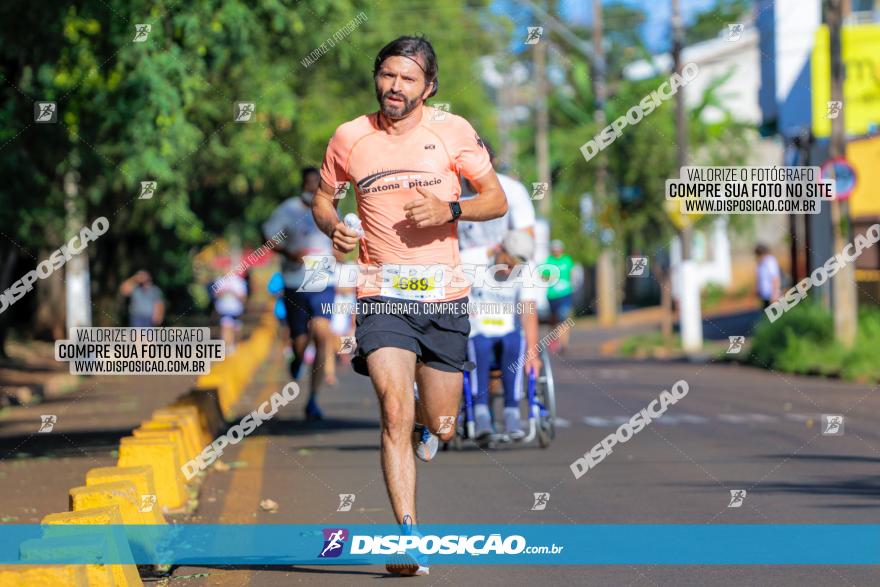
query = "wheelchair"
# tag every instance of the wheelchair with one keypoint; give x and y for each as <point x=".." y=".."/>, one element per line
<point x="540" y="393"/>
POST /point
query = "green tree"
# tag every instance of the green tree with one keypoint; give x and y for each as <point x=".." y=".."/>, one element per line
<point x="707" y="24"/>
<point x="162" y="110"/>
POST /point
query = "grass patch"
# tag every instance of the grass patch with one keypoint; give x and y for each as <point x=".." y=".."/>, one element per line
<point x="713" y="294"/>
<point x="647" y="344"/>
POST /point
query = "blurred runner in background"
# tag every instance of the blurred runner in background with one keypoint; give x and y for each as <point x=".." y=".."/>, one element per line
<point x="146" y="306"/>
<point x="276" y="288"/>
<point x="769" y="278"/>
<point x="229" y="302"/>
<point x="308" y="312"/>
<point x="559" y="295"/>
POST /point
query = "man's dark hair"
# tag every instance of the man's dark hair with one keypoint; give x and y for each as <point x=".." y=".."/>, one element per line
<point x="761" y="250"/>
<point x="489" y="148"/>
<point x="306" y="171"/>
<point x="411" y="47"/>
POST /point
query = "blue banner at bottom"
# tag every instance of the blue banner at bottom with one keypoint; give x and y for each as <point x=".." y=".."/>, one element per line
<point x="353" y="544"/>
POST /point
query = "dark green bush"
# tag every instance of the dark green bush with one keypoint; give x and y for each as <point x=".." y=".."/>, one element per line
<point x="802" y="341"/>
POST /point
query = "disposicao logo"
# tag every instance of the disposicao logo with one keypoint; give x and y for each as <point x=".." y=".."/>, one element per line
<point x="334" y="542"/>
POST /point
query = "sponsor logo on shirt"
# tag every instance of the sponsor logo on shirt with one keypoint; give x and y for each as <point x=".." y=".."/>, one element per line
<point x="407" y="179"/>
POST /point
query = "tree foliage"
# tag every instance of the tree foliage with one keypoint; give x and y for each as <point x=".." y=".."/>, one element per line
<point x="639" y="161"/>
<point x="162" y="110"/>
<point x="708" y="23"/>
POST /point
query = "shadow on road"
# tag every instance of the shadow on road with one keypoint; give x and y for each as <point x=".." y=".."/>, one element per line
<point x="856" y="487"/>
<point x="741" y="324"/>
<point x="300" y="427"/>
<point x="62" y="444"/>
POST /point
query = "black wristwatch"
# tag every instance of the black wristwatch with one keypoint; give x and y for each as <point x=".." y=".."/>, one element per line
<point x="456" y="210"/>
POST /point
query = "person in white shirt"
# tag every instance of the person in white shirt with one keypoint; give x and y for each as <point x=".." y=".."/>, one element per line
<point x="769" y="278"/>
<point x="308" y="310"/>
<point x="229" y="303"/>
<point x="520" y="215"/>
<point x="500" y="338"/>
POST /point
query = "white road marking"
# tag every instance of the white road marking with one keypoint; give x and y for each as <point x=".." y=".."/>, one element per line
<point x="613" y="374"/>
<point x="677" y="419"/>
<point x="693" y="419"/>
<point x="596" y="421"/>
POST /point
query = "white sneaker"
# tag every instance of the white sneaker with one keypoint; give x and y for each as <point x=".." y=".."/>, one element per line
<point x="424" y="443"/>
<point x="512" y="425"/>
<point x="405" y="565"/>
<point x="483" y="421"/>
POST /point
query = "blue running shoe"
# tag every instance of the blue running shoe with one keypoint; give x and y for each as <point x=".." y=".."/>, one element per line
<point x="406" y="564"/>
<point x="313" y="412"/>
<point x="424" y="443"/>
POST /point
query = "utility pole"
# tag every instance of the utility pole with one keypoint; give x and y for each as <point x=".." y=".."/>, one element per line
<point x="77" y="283"/>
<point x="542" y="125"/>
<point x="689" y="313"/>
<point x="606" y="284"/>
<point x="507" y="152"/>
<point x="843" y="285"/>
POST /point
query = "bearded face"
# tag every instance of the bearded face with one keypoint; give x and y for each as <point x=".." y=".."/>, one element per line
<point x="400" y="86"/>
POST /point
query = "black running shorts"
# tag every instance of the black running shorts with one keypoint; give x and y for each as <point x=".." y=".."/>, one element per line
<point x="436" y="332"/>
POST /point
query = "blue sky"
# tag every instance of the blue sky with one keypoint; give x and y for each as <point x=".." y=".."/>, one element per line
<point x="656" y="27"/>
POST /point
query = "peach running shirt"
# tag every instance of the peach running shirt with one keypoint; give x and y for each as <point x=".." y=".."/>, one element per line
<point x="385" y="170"/>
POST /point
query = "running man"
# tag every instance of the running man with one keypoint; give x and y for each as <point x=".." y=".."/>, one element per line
<point x="405" y="163"/>
<point x="308" y="314"/>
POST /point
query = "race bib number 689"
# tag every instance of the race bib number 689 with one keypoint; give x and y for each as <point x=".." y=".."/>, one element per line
<point x="413" y="282"/>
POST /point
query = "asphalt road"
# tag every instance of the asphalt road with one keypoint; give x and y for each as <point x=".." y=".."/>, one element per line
<point x="738" y="428"/>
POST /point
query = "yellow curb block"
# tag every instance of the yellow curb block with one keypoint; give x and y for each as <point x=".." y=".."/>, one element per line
<point x="43" y="576"/>
<point x="224" y="389"/>
<point x="73" y="544"/>
<point x="107" y="515"/>
<point x="190" y="414"/>
<point x="208" y="406"/>
<point x="231" y="377"/>
<point x="141" y="477"/>
<point x="186" y="418"/>
<point x="237" y="371"/>
<point x="122" y="575"/>
<point x="161" y="457"/>
<point x="120" y="493"/>
<point x="173" y="434"/>
<point x="175" y="429"/>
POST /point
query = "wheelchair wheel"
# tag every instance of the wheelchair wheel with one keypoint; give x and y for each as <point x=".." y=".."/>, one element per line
<point x="545" y="393"/>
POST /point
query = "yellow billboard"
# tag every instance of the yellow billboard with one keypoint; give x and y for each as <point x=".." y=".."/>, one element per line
<point x="864" y="156"/>
<point x="860" y="48"/>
